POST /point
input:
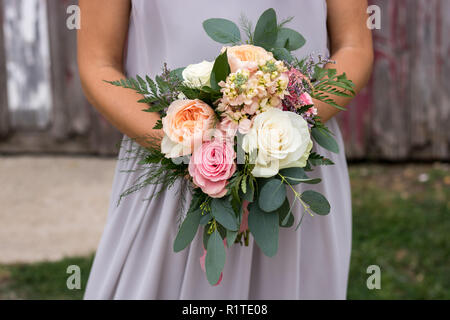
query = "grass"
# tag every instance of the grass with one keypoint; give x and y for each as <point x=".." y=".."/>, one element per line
<point x="400" y="223"/>
<point x="44" y="280"/>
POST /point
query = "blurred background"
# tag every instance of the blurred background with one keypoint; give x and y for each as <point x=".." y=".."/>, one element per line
<point x="57" y="155"/>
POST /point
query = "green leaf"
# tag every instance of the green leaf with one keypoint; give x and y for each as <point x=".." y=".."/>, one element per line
<point x="187" y="230"/>
<point x="289" y="221"/>
<point x="264" y="228"/>
<point x="325" y="139"/>
<point x="220" y="70"/>
<point x="158" y="125"/>
<point x="266" y="30"/>
<point x="294" y="175"/>
<point x="249" y="195"/>
<point x="205" y="219"/>
<point x="223" y="212"/>
<point x="153" y="157"/>
<point x="316" y="201"/>
<point x="317" y="160"/>
<point x="206" y="236"/>
<point x="215" y="257"/>
<point x="272" y="195"/>
<point x="177" y="73"/>
<point x="231" y="237"/>
<point x="244" y="184"/>
<point x="282" y="54"/>
<point x="289" y="39"/>
<point x="284" y="213"/>
<point x="222" y="30"/>
<point x="142" y="83"/>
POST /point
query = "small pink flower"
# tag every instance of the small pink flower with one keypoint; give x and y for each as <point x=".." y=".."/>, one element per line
<point x="211" y="165"/>
<point x="245" y="125"/>
<point x="227" y="127"/>
<point x="305" y="99"/>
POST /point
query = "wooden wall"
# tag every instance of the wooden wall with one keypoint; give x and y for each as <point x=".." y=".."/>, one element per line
<point x="75" y="126"/>
<point x="401" y="115"/>
<point x="405" y="110"/>
<point x="4" y="120"/>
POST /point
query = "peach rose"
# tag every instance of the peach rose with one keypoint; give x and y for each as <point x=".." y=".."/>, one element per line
<point x="184" y="126"/>
<point x="246" y="56"/>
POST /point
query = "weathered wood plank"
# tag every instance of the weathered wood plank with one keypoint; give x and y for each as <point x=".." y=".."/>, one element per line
<point x="73" y="115"/>
<point x="4" y="114"/>
<point x="404" y="111"/>
<point x="27" y="63"/>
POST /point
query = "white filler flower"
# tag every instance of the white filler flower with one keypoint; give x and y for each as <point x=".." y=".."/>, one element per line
<point x="198" y="75"/>
<point x="280" y="139"/>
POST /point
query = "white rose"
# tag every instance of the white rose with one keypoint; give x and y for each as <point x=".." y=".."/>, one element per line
<point x="198" y="75"/>
<point x="280" y="139"/>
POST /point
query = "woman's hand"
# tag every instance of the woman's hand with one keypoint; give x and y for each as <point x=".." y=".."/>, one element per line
<point x="101" y="42"/>
<point x="351" y="47"/>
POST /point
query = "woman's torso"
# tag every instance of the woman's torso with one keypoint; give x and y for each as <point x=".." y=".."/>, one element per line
<point x="171" y="30"/>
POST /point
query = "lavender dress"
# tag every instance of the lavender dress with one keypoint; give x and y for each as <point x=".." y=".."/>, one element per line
<point x="135" y="259"/>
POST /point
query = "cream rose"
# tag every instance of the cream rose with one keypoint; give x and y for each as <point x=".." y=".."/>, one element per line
<point x="278" y="139"/>
<point x="198" y="75"/>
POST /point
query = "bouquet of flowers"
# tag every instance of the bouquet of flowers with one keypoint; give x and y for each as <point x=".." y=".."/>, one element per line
<point x="241" y="130"/>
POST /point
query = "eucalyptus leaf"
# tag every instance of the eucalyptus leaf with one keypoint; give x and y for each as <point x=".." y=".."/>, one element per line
<point x="289" y="39"/>
<point x="266" y="30"/>
<point x="231" y="237"/>
<point x="282" y="54"/>
<point x="215" y="258"/>
<point x="206" y="236"/>
<point x="325" y="139"/>
<point x="187" y="231"/>
<point x="223" y="212"/>
<point x="294" y="175"/>
<point x="316" y="201"/>
<point x="205" y="219"/>
<point x="283" y="212"/>
<point x="289" y="221"/>
<point x="272" y="195"/>
<point x="222" y="30"/>
<point x="178" y="73"/>
<point x="264" y="228"/>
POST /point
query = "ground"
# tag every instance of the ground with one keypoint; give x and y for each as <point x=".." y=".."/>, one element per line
<point x="400" y="223"/>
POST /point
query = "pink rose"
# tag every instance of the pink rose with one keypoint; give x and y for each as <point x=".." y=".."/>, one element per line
<point x="211" y="165"/>
<point x="247" y="57"/>
<point x="184" y="126"/>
